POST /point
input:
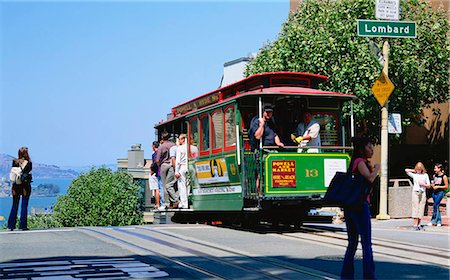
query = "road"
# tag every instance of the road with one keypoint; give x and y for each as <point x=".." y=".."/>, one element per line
<point x="194" y="251"/>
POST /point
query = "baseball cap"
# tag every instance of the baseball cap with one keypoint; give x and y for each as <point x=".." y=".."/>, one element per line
<point x="268" y="108"/>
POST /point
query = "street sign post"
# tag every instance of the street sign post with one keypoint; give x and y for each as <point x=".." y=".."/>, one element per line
<point x="385" y="28"/>
<point x="395" y="123"/>
<point x="382" y="88"/>
<point x="387" y="9"/>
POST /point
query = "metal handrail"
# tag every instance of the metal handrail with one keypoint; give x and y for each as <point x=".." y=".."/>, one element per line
<point x="311" y="147"/>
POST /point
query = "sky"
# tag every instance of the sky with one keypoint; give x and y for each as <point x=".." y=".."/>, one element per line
<point x="82" y="81"/>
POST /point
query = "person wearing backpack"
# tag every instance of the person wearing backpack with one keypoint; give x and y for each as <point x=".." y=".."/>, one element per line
<point x="15" y="173"/>
<point x="21" y="187"/>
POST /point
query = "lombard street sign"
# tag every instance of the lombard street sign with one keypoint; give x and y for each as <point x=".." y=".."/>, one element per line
<point x="385" y="28"/>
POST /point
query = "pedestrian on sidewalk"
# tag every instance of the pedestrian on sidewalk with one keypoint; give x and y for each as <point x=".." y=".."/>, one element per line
<point x="22" y="189"/>
<point x="439" y="185"/>
<point x="421" y="182"/>
<point x="357" y="220"/>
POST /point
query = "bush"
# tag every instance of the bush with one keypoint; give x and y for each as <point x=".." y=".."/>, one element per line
<point x="100" y="198"/>
<point x="38" y="221"/>
<point x="42" y="221"/>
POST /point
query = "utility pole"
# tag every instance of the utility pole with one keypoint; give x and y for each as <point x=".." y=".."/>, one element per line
<point x="384" y="145"/>
<point x="389" y="13"/>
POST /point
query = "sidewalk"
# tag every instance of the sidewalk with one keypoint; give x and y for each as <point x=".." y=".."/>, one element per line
<point x="445" y="221"/>
<point x="405" y="224"/>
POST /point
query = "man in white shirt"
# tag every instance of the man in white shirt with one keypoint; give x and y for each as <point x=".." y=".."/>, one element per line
<point x="181" y="172"/>
<point x="307" y="134"/>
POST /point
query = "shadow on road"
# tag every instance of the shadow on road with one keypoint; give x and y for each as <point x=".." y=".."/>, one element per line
<point x="148" y="267"/>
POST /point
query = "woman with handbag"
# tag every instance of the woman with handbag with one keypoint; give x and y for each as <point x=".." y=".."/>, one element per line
<point x="357" y="219"/>
<point x="439" y="185"/>
<point x="23" y="189"/>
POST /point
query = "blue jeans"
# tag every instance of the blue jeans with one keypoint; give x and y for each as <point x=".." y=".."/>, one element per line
<point x="437" y="197"/>
<point x="161" y="191"/>
<point x="358" y="224"/>
<point x="23" y="212"/>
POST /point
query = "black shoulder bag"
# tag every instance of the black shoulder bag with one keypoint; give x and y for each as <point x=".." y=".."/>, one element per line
<point x="347" y="190"/>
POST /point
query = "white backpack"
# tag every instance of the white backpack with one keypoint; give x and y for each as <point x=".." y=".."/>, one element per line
<point x="15" y="175"/>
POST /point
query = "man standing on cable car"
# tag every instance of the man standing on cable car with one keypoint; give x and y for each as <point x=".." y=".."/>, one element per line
<point x="307" y="134"/>
<point x="264" y="128"/>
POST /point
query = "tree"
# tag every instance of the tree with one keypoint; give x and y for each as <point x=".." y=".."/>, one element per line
<point x="100" y="198"/>
<point x="322" y="38"/>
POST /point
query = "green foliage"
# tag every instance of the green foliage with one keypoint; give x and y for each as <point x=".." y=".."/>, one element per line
<point x="38" y="221"/>
<point x="42" y="221"/>
<point x="322" y="38"/>
<point x="100" y="198"/>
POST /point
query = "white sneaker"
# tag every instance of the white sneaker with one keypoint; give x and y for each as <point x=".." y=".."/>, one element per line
<point x="438" y="225"/>
<point x="430" y="224"/>
<point x="160" y="208"/>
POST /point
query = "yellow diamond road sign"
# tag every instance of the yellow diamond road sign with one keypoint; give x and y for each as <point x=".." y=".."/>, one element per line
<point x="382" y="88"/>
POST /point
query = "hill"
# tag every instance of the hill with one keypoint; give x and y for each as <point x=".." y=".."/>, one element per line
<point x="40" y="170"/>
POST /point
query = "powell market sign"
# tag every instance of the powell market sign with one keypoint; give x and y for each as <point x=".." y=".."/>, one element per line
<point x="385" y="28"/>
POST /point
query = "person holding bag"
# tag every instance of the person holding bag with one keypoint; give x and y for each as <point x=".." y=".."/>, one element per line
<point x="21" y="189"/>
<point x="357" y="219"/>
<point x="439" y="185"/>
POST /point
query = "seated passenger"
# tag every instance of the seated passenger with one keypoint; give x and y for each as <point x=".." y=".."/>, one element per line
<point x="307" y="134"/>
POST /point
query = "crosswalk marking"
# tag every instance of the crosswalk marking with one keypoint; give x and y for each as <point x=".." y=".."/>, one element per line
<point x="114" y="268"/>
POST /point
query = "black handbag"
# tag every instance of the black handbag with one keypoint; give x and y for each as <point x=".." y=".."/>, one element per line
<point x="347" y="190"/>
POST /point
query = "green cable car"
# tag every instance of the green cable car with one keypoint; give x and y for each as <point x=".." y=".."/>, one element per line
<point x="231" y="179"/>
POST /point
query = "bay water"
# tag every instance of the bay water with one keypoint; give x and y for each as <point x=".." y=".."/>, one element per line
<point x="35" y="201"/>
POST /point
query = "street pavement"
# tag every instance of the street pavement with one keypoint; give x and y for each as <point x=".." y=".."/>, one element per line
<point x="178" y="251"/>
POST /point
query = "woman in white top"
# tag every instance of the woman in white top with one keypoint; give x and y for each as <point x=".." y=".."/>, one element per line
<point x="419" y="195"/>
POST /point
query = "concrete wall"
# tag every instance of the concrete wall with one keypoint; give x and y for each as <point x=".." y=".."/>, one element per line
<point x="233" y="71"/>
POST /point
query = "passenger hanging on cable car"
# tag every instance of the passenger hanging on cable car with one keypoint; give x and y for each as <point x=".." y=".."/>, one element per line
<point x="307" y="134"/>
<point x="264" y="128"/>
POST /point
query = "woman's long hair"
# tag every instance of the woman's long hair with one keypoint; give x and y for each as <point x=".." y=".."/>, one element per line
<point x="421" y="167"/>
<point x="23" y="154"/>
<point x="359" y="147"/>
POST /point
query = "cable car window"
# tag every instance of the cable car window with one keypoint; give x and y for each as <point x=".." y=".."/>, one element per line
<point x="230" y="127"/>
<point x="217" y="129"/>
<point x="329" y="133"/>
<point x="204" y="126"/>
<point x="193" y="137"/>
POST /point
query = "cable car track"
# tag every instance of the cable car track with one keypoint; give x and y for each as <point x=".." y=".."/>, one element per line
<point x="217" y="261"/>
<point x="140" y="248"/>
<point x="381" y="246"/>
<point x="259" y="268"/>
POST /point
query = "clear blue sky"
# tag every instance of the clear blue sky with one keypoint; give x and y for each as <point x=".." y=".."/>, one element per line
<point x="82" y="81"/>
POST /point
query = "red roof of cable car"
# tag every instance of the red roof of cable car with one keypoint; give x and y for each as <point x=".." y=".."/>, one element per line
<point x="260" y="83"/>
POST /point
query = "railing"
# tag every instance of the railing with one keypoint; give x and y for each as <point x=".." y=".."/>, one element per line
<point x="325" y="148"/>
<point x="251" y="172"/>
